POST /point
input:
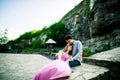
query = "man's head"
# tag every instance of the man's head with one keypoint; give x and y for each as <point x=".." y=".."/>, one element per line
<point x="69" y="39"/>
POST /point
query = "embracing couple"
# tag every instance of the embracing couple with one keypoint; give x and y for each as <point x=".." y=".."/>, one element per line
<point x="60" y="68"/>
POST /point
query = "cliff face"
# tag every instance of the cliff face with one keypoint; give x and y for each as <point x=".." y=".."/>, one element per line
<point x="105" y="17"/>
<point x="96" y="23"/>
<point x="76" y="21"/>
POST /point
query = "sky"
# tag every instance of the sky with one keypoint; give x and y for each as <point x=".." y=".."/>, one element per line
<point x="20" y="16"/>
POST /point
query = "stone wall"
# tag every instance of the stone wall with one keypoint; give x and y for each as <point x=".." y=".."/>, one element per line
<point x="96" y="23"/>
<point x="104" y="17"/>
<point x="103" y="43"/>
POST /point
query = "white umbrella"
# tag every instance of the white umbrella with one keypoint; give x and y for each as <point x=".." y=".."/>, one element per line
<point x="50" y="41"/>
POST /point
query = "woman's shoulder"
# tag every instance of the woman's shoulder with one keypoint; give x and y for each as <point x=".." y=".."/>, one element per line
<point x="61" y="51"/>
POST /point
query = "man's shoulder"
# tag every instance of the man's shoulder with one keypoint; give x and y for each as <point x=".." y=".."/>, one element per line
<point x="77" y="41"/>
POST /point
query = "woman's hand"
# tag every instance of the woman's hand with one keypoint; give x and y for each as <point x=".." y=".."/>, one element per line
<point x="67" y="60"/>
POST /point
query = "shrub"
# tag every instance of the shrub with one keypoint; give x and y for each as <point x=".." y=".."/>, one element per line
<point x="87" y="52"/>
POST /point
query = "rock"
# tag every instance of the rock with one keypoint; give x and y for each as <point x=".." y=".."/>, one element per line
<point x="95" y="23"/>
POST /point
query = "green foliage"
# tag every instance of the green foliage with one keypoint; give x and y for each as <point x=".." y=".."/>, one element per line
<point x="3" y="37"/>
<point x="35" y="33"/>
<point x="88" y="52"/>
<point x="3" y="48"/>
<point x="36" y="39"/>
<point x="57" y="32"/>
<point x="88" y="9"/>
<point x="26" y="35"/>
<point x="29" y="35"/>
<point x="3" y="40"/>
<point x="37" y="43"/>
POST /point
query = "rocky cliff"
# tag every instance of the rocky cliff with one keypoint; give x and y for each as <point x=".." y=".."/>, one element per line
<point x="96" y="23"/>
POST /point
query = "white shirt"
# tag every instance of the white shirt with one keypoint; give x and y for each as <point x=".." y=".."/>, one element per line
<point x="77" y="50"/>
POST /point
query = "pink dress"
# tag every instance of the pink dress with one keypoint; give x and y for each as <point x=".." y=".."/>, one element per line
<point x="54" y="70"/>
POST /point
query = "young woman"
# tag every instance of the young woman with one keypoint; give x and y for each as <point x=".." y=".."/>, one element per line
<point x="58" y="68"/>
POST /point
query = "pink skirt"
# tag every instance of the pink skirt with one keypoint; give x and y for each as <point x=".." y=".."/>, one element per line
<point x="54" y="70"/>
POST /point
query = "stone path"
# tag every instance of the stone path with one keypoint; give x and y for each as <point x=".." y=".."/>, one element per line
<point x="20" y="66"/>
<point x="25" y="66"/>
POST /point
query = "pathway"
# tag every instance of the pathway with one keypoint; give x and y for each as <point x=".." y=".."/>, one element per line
<point x="25" y="66"/>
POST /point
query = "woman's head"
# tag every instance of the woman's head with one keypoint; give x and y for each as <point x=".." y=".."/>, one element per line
<point x="67" y="48"/>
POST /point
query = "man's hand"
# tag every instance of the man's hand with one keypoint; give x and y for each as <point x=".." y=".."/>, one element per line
<point x="71" y="58"/>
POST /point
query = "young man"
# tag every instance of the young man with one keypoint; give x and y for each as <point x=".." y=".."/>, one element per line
<point x="76" y="58"/>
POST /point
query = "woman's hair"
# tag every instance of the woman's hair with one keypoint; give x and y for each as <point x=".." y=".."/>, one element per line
<point x="65" y="49"/>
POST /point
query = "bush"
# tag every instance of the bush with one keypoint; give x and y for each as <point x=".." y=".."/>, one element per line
<point x="87" y="52"/>
<point x="3" y="48"/>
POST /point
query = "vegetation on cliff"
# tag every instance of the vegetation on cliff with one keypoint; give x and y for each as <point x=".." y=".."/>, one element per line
<point x="36" y="39"/>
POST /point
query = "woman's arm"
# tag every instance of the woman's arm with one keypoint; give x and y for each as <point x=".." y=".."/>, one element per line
<point x="59" y="54"/>
<point x="69" y="59"/>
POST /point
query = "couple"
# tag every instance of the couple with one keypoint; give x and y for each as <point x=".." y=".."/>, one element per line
<point x="57" y="69"/>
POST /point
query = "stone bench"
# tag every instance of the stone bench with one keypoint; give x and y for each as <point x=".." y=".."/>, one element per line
<point x="86" y="72"/>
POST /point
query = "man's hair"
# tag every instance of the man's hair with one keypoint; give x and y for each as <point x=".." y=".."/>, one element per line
<point x="68" y="37"/>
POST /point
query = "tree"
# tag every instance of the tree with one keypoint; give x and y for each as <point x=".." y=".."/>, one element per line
<point x="3" y="40"/>
<point x="37" y="43"/>
<point x="3" y="37"/>
<point x="37" y="38"/>
<point x="57" y="32"/>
